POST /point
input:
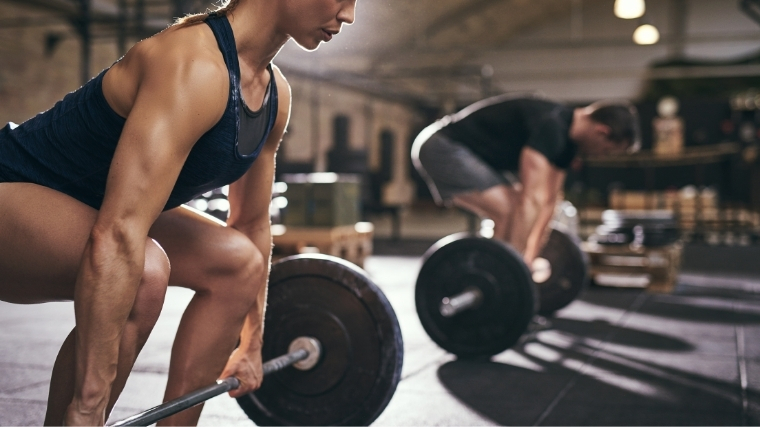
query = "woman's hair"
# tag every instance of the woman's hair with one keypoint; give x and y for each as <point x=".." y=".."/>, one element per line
<point x="623" y="120"/>
<point x="225" y="7"/>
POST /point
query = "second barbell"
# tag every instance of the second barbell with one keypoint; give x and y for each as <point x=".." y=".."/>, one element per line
<point x="475" y="296"/>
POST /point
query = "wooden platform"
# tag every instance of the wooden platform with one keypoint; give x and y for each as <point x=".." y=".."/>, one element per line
<point x="655" y="269"/>
<point x="350" y="242"/>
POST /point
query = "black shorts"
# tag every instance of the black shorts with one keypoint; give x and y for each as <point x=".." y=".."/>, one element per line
<point x="450" y="168"/>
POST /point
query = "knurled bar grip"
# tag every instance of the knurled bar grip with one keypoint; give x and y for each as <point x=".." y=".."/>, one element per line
<point x="152" y="415"/>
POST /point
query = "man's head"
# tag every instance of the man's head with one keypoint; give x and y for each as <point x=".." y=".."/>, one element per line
<point x="606" y="127"/>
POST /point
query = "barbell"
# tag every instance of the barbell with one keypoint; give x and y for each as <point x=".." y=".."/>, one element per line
<point x="476" y="296"/>
<point x="334" y="348"/>
<point x="304" y="355"/>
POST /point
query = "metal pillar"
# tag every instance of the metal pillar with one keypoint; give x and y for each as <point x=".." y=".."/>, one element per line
<point x="82" y="26"/>
<point x="121" y="35"/>
<point x="679" y="11"/>
<point x="140" y="18"/>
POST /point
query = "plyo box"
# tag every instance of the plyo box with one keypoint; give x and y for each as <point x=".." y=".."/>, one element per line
<point x="322" y="200"/>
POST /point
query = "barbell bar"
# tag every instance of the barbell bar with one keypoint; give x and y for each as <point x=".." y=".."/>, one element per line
<point x="304" y="353"/>
<point x="470" y="298"/>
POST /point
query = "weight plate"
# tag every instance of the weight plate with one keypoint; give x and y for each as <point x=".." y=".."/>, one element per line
<point x="662" y="237"/>
<point x="637" y="215"/>
<point x="509" y="301"/>
<point x="651" y="236"/>
<point x="568" y="272"/>
<point x="631" y="218"/>
<point x="335" y="302"/>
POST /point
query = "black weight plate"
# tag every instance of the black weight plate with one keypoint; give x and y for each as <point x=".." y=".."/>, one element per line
<point x="631" y="218"/>
<point x="568" y="272"/>
<point x="661" y="237"/>
<point x="509" y="298"/>
<point x="652" y="236"/>
<point x="335" y="302"/>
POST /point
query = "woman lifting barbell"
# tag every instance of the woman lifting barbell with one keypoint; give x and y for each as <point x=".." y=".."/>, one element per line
<point x="92" y="192"/>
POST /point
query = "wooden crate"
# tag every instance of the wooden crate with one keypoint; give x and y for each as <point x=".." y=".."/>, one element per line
<point x="655" y="269"/>
<point x="350" y="242"/>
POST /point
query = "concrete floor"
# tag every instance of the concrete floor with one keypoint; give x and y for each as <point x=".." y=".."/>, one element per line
<point x="613" y="357"/>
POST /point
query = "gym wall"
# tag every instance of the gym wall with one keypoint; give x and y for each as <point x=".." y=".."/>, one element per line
<point x="40" y="64"/>
<point x="311" y="131"/>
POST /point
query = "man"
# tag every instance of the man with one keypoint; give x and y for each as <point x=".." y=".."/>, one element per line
<point x="467" y="159"/>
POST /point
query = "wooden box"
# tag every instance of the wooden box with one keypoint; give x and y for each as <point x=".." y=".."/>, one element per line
<point x="350" y="242"/>
<point x="653" y="268"/>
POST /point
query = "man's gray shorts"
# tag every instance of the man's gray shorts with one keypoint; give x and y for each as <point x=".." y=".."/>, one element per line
<point x="450" y="168"/>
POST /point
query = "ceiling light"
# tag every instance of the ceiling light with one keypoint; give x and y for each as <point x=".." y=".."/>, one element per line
<point x="646" y="34"/>
<point x="629" y="9"/>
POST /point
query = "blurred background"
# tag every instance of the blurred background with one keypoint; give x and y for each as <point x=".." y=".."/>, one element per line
<point x="360" y="100"/>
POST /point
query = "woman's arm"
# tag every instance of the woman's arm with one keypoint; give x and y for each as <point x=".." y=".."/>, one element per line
<point x="179" y="96"/>
<point x="250" y="198"/>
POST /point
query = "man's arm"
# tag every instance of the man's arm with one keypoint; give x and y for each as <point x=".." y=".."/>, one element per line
<point x="538" y="234"/>
<point x="541" y="182"/>
<point x="250" y="197"/>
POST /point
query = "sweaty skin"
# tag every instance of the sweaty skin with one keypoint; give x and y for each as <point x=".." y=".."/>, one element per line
<point x="115" y="263"/>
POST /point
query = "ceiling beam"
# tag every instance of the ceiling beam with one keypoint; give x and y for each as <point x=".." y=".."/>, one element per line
<point x="561" y="44"/>
<point x="458" y="15"/>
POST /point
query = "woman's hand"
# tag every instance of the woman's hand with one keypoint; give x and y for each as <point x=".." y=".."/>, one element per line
<point x="246" y="367"/>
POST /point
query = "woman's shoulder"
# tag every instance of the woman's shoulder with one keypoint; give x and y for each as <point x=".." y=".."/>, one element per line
<point x="187" y="48"/>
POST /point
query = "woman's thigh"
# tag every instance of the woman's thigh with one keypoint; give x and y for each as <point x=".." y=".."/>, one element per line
<point x="201" y="248"/>
<point x="42" y="236"/>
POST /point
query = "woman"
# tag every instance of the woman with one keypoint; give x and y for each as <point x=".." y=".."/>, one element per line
<point x="91" y="193"/>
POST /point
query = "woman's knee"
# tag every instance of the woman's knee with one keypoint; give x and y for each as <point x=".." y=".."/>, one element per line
<point x="237" y="268"/>
<point x="153" y="283"/>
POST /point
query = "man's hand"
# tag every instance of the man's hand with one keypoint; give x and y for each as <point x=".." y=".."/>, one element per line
<point x="246" y="366"/>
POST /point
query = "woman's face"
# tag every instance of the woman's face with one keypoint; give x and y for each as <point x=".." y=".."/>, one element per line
<point x="311" y="22"/>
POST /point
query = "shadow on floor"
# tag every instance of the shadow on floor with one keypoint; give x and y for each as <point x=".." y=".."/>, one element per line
<point x="603" y="330"/>
<point x="687" y="303"/>
<point x="595" y="387"/>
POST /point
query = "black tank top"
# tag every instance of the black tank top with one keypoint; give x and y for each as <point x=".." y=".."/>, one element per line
<point x="498" y="128"/>
<point x="69" y="148"/>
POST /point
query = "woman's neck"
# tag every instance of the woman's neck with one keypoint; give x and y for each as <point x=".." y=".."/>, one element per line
<point x="257" y="38"/>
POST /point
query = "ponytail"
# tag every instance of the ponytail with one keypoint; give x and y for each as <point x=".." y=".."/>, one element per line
<point x="224" y="9"/>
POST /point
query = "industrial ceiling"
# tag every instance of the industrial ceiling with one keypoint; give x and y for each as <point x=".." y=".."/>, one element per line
<point x="418" y="51"/>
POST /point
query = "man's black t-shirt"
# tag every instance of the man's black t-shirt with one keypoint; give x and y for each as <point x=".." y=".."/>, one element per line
<point x="497" y="129"/>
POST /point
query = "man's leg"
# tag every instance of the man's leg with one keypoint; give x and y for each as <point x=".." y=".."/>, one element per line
<point x="496" y="203"/>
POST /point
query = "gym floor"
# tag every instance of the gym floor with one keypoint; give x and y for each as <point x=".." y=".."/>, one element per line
<point x="613" y="357"/>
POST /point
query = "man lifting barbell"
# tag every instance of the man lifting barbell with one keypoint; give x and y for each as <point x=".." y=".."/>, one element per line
<point x="477" y="296"/>
<point x="464" y="157"/>
<point x="92" y="191"/>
